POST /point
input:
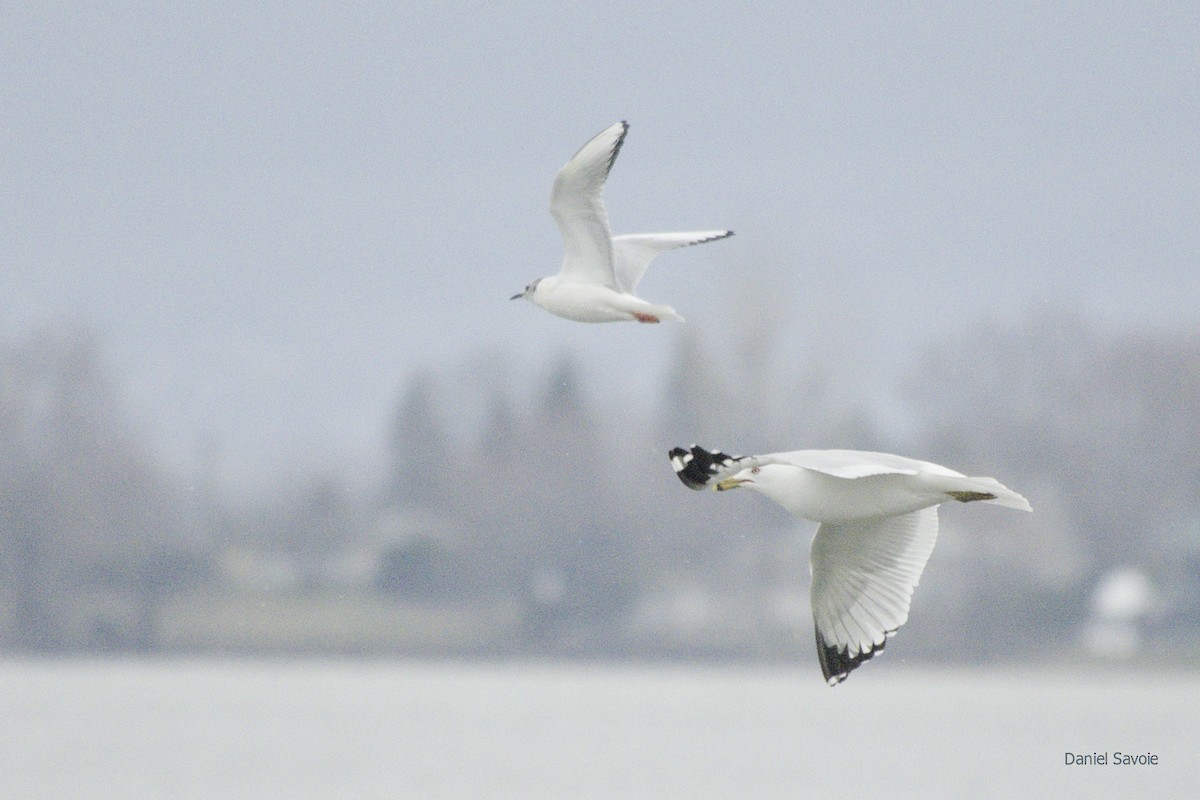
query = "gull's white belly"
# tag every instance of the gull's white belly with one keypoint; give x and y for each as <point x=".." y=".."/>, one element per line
<point x="825" y="498"/>
<point x="589" y="302"/>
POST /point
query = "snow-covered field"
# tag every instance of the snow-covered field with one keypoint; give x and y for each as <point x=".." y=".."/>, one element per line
<point x="380" y="729"/>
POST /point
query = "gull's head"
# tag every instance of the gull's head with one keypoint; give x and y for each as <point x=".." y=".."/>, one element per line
<point x="776" y="482"/>
<point x="529" y="291"/>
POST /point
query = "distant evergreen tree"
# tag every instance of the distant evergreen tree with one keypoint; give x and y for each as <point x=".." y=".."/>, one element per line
<point x="577" y="550"/>
<point x="695" y="395"/>
<point x="318" y="523"/>
<point x="501" y="430"/>
<point x="421" y="457"/>
<point x="562" y="397"/>
<point x="83" y="511"/>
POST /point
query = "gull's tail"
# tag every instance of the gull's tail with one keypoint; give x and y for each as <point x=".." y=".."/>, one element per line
<point x="666" y="312"/>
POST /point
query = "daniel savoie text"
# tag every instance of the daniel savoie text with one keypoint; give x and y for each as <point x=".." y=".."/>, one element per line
<point x="1116" y="758"/>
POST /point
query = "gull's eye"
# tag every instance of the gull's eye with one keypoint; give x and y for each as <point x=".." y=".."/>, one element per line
<point x="755" y="470"/>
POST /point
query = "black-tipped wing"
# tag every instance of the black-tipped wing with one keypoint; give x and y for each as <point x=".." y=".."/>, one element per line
<point x="837" y="663"/>
<point x="698" y="467"/>
<point x="576" y="206"/>
<point x="632" y="253"/>
<point x="864" y="572"/>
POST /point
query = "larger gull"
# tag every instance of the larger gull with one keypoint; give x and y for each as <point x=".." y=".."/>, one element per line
<point x="878" y="515"/>
<point x="600" y="271"/>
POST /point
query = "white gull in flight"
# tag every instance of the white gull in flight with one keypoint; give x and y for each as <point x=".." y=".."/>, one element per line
<point x="600" y="271"/>
<point x="878" y="515"/>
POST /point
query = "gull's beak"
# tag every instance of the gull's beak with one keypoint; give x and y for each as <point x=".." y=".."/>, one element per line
<point x="517" y="296"/>
<point x="730" y="483"/>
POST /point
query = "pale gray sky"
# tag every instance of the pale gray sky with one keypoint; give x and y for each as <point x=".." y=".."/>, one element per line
<point x="273" y="217"/>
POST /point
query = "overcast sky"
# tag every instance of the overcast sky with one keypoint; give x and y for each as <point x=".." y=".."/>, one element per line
<point x="272" y="217"/>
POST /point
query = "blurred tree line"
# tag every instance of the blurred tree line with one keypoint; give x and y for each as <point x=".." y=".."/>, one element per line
<point x="86" y="517"/>
<point x="566" y="512"/>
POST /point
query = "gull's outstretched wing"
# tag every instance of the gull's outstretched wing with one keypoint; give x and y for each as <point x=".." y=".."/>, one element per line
<point x="861" y="464"/>
<point x="856" y="463"/>
<point x="863" y="575"/>
<point x="632" y="253"/>
<point x="698" y="467"/>
<point x="577" y="208"/>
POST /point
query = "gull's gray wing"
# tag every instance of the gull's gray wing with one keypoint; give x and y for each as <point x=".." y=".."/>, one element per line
<point x="576" y="206"/>
<point x="853" y="463"/>
<point x="632" y="253"/>
<point x="864" y="572"/>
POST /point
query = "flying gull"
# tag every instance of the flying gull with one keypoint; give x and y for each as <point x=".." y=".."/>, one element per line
<point x="878" y="515"/>
<point x="600" y="271"/>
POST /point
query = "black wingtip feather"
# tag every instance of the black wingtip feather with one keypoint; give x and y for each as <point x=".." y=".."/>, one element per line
<point x="612" y="157"/>
<point x="715" y="238"/>
<point x="837" y="663"/>
<point x="697" y="466"/>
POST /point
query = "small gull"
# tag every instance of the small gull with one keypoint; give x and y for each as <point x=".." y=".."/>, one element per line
<point x="878" y="515"/>
<point x="600" y="271"/>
